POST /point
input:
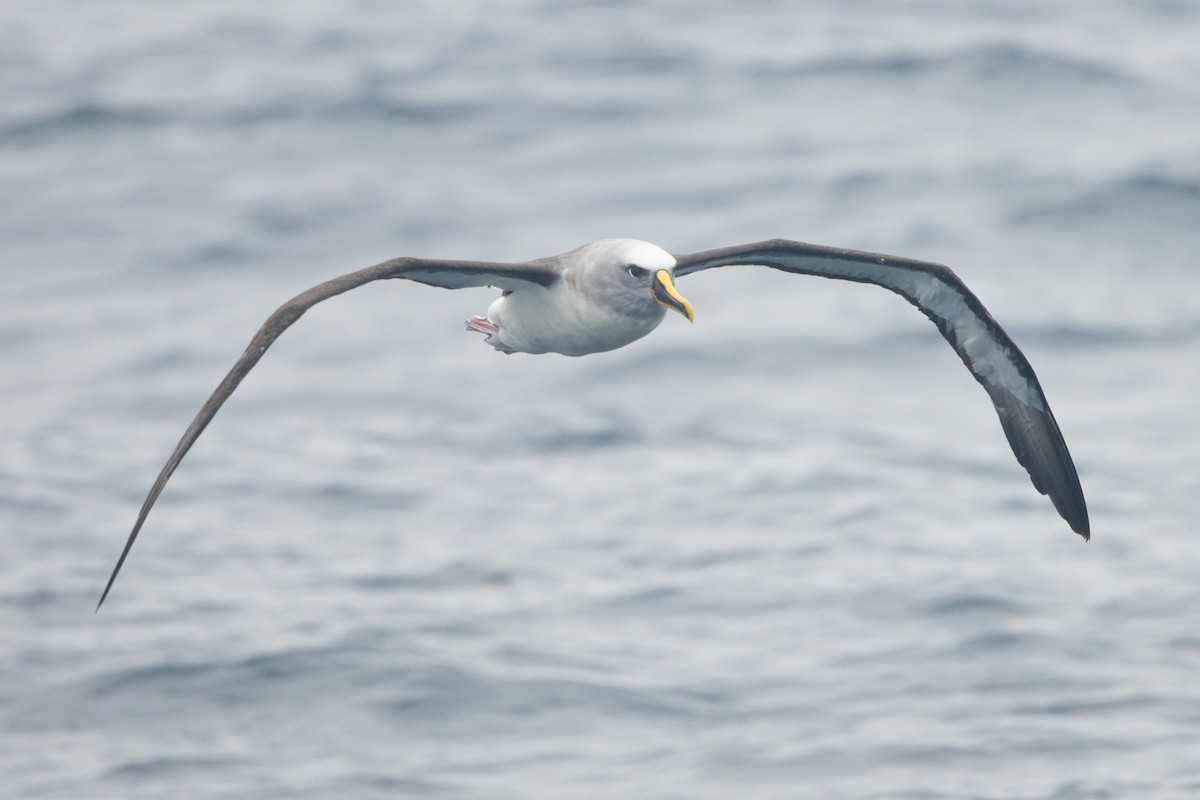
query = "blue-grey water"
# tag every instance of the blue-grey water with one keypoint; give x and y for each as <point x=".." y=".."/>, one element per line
<point x="784" y="552"/>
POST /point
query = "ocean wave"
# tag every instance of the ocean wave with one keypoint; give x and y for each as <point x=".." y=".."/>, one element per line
<point x="1150" y="196"/>
<point x="172" y="767"/>
<point x="986" y="61"/>
<point x="604" y="436"/>
<point x="436" y="692"/>
<point x="81" y="117"/>
<point x="973" y="604"/>
<point x="1078" y="336"/>
<point x="94" y="117"/>
<point x="1090" y="707"/>
<point x="455" y="575"/>
<point x="368" y="106"/>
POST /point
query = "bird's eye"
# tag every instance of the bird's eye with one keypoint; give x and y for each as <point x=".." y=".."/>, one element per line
<point x="636" y="272"/>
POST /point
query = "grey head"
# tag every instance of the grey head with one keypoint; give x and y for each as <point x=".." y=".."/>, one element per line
<point x="629" y="276"/>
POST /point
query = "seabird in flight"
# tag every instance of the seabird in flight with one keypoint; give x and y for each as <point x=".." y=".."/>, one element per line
<point x="611" y="292"/>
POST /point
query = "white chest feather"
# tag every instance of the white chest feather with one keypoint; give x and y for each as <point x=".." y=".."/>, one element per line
<point x="562" y="320"/>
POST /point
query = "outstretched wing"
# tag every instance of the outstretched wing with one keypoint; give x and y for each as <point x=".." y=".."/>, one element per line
<point x="984" y="347"/>
<point x="446" y="274"/>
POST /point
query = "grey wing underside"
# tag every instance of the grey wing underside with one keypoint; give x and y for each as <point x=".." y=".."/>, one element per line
<point x="984" y="347"/>
<point x="445" y="274"/>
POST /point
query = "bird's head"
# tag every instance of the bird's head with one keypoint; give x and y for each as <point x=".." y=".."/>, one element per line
<point x="636" y="277"/>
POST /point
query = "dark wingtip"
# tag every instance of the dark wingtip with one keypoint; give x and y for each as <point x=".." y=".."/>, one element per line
<point x="1068" y="501"/>
<point x="109" y="586"/>
<point x="1068" y="496"/>
<point x="124" y="553"/>
<point x="1039" y="446"/>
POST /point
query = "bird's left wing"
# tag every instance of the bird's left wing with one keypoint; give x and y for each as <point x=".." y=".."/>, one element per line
<point x="984" y="347"/>
<point x="446" y="274"/>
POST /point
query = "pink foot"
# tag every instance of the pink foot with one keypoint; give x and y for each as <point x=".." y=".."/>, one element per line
<point x="482" y="325"/>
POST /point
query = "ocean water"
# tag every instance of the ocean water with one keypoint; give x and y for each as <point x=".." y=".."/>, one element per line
<point x="784" y="552"/>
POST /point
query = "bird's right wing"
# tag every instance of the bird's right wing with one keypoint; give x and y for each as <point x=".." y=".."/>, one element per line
<point x="446" y="274"/>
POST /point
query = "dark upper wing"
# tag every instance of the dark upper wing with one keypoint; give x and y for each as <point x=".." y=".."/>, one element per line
<point x="982" y="344"/>
<point x="446" y="274"/>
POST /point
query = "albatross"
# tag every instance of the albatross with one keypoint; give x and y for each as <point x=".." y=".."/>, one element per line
<point x="611" y="292"/>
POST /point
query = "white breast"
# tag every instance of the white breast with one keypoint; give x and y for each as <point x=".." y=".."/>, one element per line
<point x="562" y="320"/>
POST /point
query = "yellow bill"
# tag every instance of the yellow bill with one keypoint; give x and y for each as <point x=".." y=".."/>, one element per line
<point x="663" y="290"/>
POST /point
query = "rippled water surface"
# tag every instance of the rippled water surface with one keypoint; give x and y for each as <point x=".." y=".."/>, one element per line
<point x="784" y="552"/>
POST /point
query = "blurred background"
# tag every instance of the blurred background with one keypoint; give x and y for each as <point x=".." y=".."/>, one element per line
<point x="783" y="552"/>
